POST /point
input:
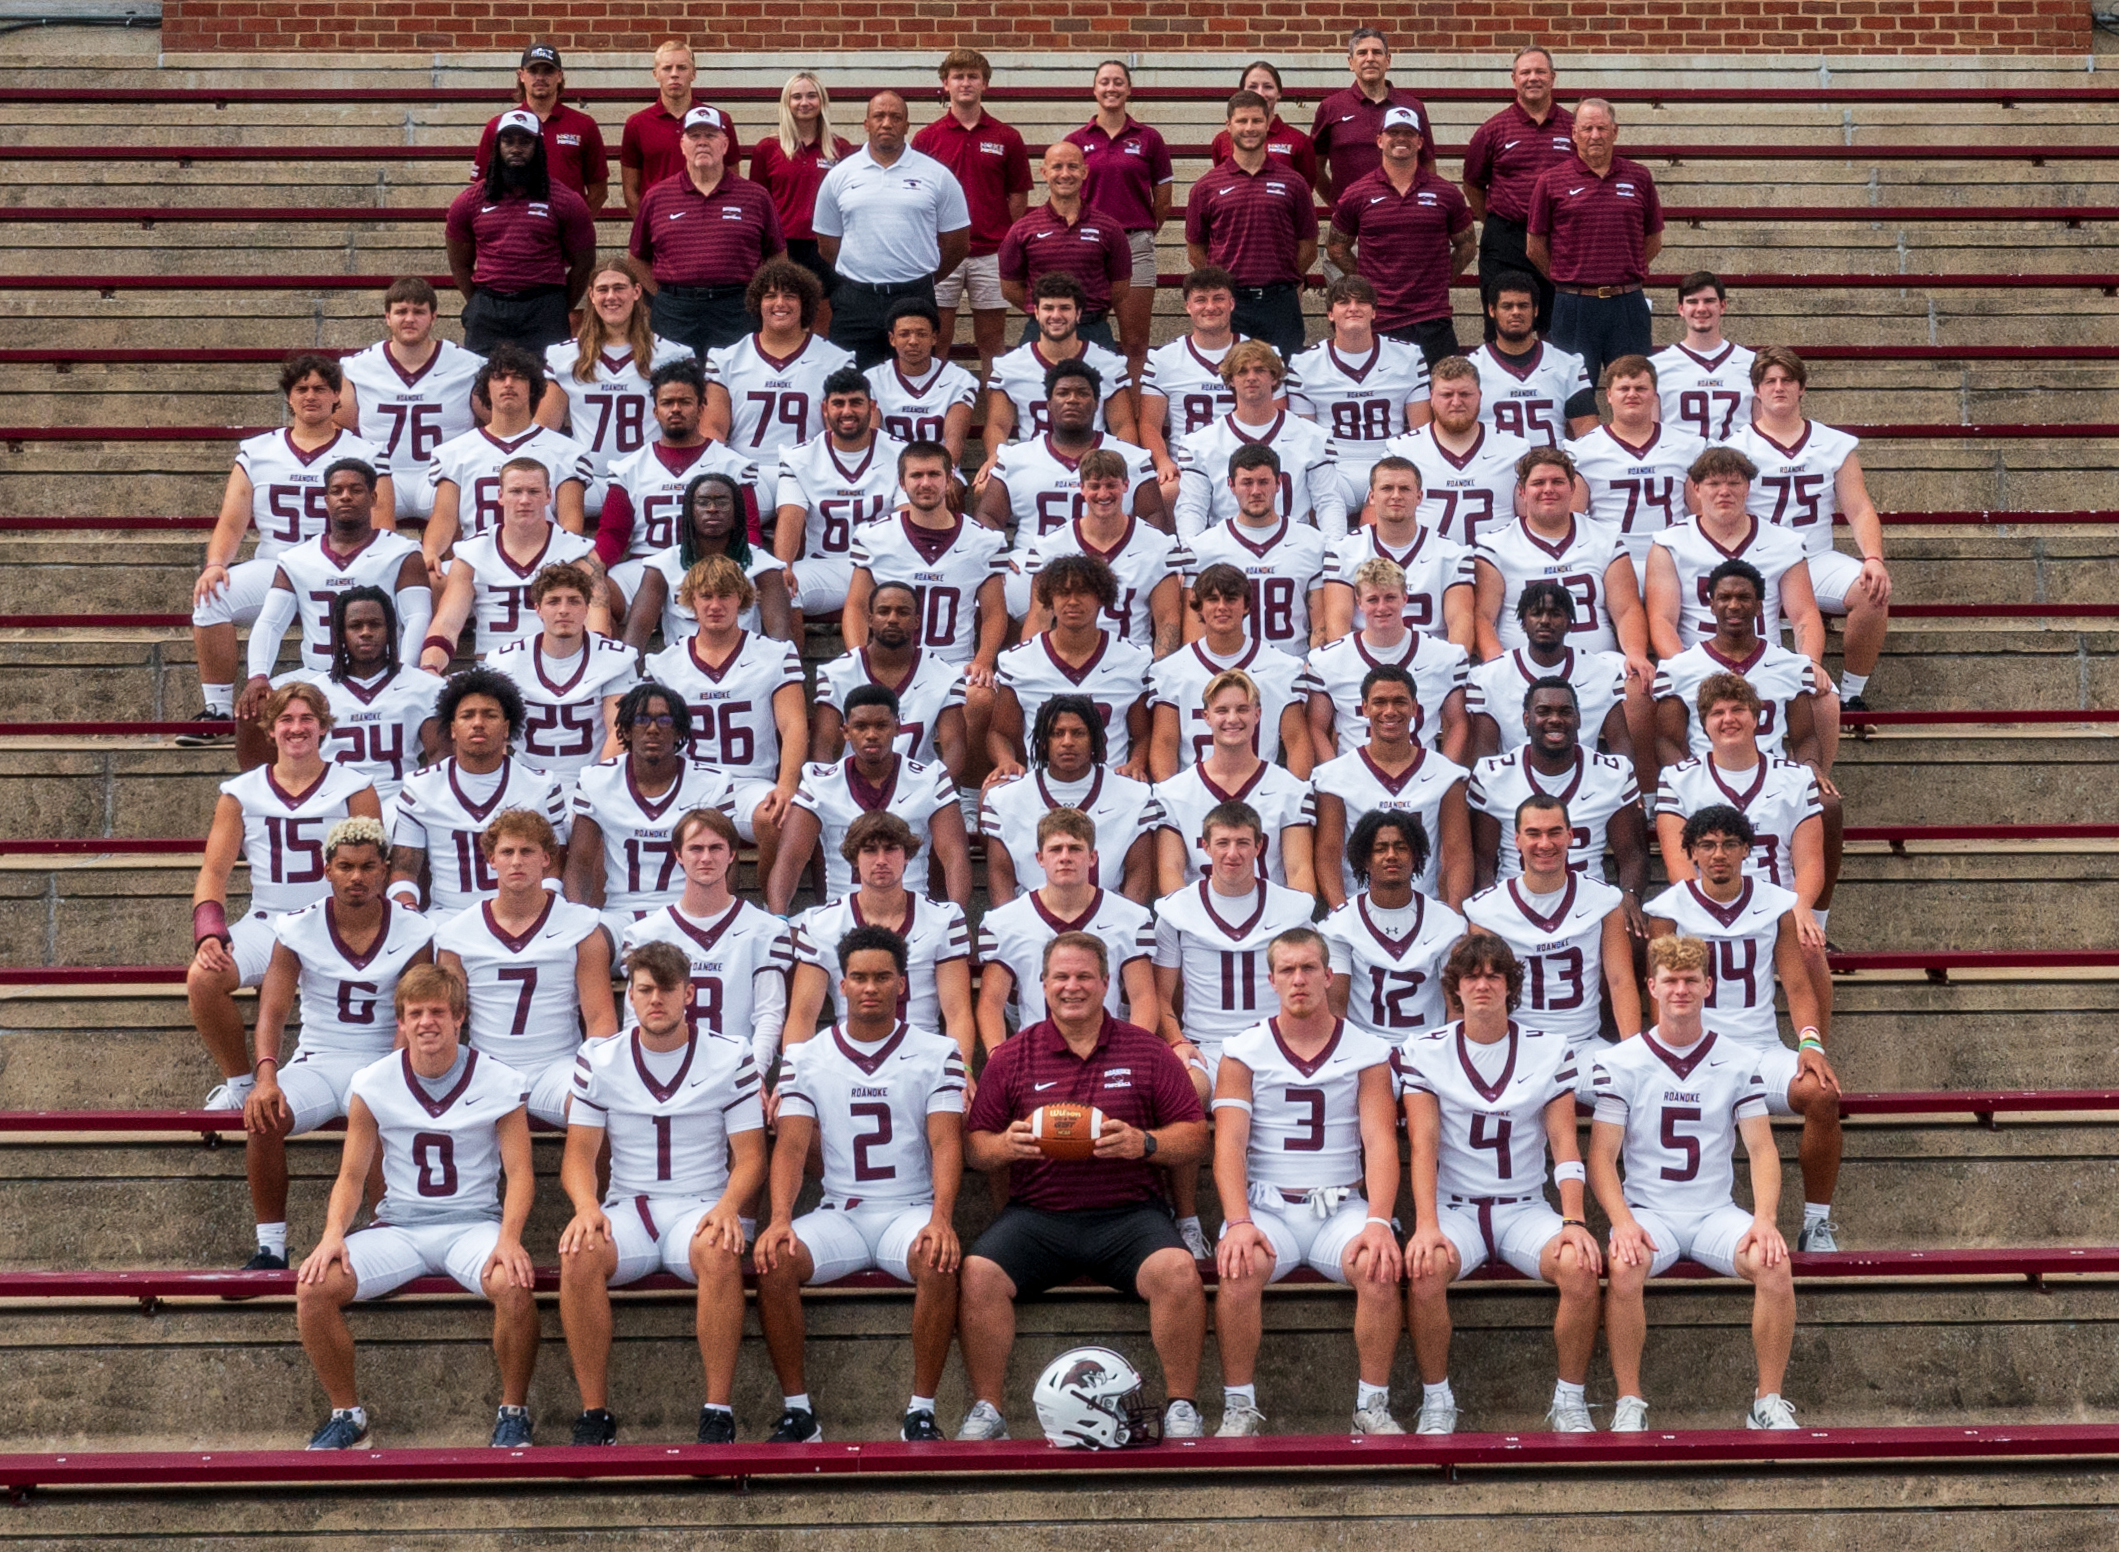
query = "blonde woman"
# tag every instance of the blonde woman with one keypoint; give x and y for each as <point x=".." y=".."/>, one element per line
<point x="792" y="163"/>
<point x="596" y="384"/>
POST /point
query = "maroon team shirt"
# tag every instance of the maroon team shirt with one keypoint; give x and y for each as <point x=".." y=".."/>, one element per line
<point x="717" y="239"/>
<point x="1405" y="241"/>
<point x="990" y="161"/>
<point x="653" y="142"/>
<point x="1250" y="222"/>
<point x="1125" y="170"/>
<point x="1597" y="226"/>
<point x="1510" y="151"/>
<point x="521" y="242"/>
<point x="573" y="149"/>
<point x="793" y="180"/>
<point x="1283" y="141"/>
<point x="1093" y="250"/>
<point x="1130" y="1074"/>
<point x="1347" y="125"/>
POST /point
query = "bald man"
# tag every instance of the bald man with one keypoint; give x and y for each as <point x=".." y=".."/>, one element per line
<point x="1065" y="235"/>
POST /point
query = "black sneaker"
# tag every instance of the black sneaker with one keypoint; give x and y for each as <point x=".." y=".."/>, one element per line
<point x="596" y="1426"/>
<point x="511" y="1429"/>
<point x="341" y="1431"/>
<point x="266" y="1261"/>
<point x="1854" y="703"/>
<point x="919" y="1425"/>
<point x="208" y="738"/>
<point x="716" y="1426"/>
<point x="797" y="1425"/>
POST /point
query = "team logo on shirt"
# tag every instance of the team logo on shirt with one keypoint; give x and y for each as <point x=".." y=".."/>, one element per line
<point x="1623" y="190"/>
<point x="731" y="212"/>
<point x="993" y="148"/>
<point x="570" y="140"/>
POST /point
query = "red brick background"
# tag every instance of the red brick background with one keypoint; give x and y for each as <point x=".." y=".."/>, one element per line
<point x="1582" y="26"/>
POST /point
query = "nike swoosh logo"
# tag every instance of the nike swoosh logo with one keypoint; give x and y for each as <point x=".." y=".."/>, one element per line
<point x="1039" y="1088"/>
<point x="1510" y="145"/>
<point x="676" y="215"/>
<point x="487" y="209"/>
<point x="1572" y="192"/>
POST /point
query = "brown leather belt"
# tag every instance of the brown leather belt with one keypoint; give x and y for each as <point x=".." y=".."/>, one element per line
<point x="1601" y="293"/>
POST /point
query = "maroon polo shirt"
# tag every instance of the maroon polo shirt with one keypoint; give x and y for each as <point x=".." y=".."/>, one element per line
<point x="1510" y="151"/>
<point x="521" y="242"/>
<point x="1250" y="222"/>
<point x="1125" y="170"/>
<point x="1284" y="141"/>
<point x="990" y="161"/>
<point x="1130" y="1074"/>
<point x="792" y="181"/>
<point x="1597" y="226"/>
<point x="1347" y="125"/>
<point x="694" y="239"/>
<point x="653" y="142"/>
<point x="1405" y="242"/>
<point x="573" y="149"/>
<point x="1093" y="250"/>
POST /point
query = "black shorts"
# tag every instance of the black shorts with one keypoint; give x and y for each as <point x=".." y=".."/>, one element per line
<point x="1041" y="1250"/>
<point x="532" y="319"/>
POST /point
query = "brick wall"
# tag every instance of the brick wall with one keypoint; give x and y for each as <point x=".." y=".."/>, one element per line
<point x="1991" y="27"/>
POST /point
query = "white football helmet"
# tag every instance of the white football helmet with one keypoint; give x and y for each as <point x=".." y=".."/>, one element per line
<point x="1090" y="1399"/>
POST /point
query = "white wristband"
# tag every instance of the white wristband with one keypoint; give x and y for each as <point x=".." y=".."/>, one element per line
<point x="1572" y="1169"/>
<point x="1383" y="1223"/>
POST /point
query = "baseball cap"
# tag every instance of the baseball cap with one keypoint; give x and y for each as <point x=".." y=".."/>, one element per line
<point x="540" y="54"/>
<point x="1401" y="118"/>
<point x="518" y="118"/>
<point x="703" y="117"/>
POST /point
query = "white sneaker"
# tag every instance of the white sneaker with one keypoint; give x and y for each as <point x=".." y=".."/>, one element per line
<point x="1195" y="1239"/>
<point x="1376" y="1418"/>
<point x="230" y="1093"/>
<point x="983" y="1421"/>
<point x="1181" y="1420"/>
<point x="1570" y="1417"/>
<point x="1436" y="1417"/>
<point x="1821" y="1234"/>
<point x="1238" y="1421"/>
<point x="1630" y="1415"/>
<point x="1771" y="1412"/>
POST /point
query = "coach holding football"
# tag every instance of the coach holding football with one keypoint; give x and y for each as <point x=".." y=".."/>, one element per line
<point x="1256" y="218"/>
<point x="1101" y="1216"/>
<point x="891" y="221"/>
<point x="1595" y="225"/>
<point x="704" y="234"/>
<point x="521" y="248"/>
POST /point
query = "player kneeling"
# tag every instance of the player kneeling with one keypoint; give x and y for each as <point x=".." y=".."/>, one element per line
<point x="885" y="1102"/>
<point x="449" y="1123"/>
<point x="1300" y="1102"/>
<point x="1483" y="1099"/>
<point x="1670" y="1106"/>
<point x="687" y="1137"/>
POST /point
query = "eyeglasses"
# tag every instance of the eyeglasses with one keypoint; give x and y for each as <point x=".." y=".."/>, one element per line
<point x="660" y="719"/>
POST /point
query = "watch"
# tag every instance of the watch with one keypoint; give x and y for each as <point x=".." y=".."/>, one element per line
<point x="1147" y="1146"/>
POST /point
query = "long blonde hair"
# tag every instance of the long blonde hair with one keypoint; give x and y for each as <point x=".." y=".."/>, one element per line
<point x="791" y="137"/>
<point x="639" y="330"/>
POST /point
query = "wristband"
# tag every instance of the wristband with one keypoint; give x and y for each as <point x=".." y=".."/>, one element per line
<point x="1230" y="1223"/>
<point x="1574" y="1223"/>
<point x="1571" y="1169"/>
<point x="407" y="897"/>
<point x="1809" y="1043"/>
<point x="209" y="919"/>
<point x="261" y="1061"/>
<point x="443" y="642"/>
<point x="1383" y="1223"/>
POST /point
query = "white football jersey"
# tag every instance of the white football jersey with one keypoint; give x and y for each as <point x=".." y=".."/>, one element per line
<point x="1283" y="801"/>
<point x="1359" y="783"/>
<point x="1577" y="561"/>
<point x="1527" y="395"/>
<point x="1493" y="1100"/>
<point x="1497" y="689"/>
<point x="562" y="700"/>
<point x="775" y="402"/>
<point x="347" y="998"/>
<point x="500" y="587"/>
<point x="937" y="934"/>
<point x="732" y="705"/>
<point x="1774" y="551"/>
<point x="648" y="485"/>
<point x="1189" y="380"/>
<point x="1562" y="951"/>
<point x="838" y="795"/>
<point x="1014" y="936"/>
<point x="669" y="1114"/>
<point x="472" y="463"/>
<point x="318" y="574"/>
<point x="287" y="484"/>
<point x="1311" y="493"/>
<point x="1045" y="488"/>
<point x="1432" y="566"/>
<point x="1359" y="404"/>
<point x="871" y="1104"/>
<point x="1392" y="960"/>
<point x="440" y="1138"/>
<point x="1742" y="936"/>
<point x="376" y="723"/>
<point x="1775" y="795"/>
<point x="409" y="414"/>
<point x="1463" y="497"/>
<point x="1710" y="396"/>
<point x="837" y="491"/>
<point x="931" y="688"/>
<point x="444" y="809"/>
<point x="1020" y="374"/>
<point x="678" y="621"/>
<point x="612" y="414"/>
<point x="1437" y="664"/>
<point x="917" y="410"/>
<point x="1777" y="675"/>
<point x="283" y="832"/>
<point x="640" y="870"/>
<point x="1180" y="680"/>
<point x="1797" y="486"/>
<point x="1114" y="678"/>
<point x="946" y="567"/>
<point x="1306" y="1115"/>
<point x="740" y="964"/>
<point x="1139" y="562"/>
<point x="1122" y="809"/>
<point x="1638" y="490"/>
<point x="1286" y="563"/>
<point x="1600" y="786"/>
<point x="1218" y="947"/>
<point x="525" y="1006"/>
<point x="1680" y="1110"/>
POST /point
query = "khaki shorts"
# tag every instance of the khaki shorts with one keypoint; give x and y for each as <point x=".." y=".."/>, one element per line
<point x="1143" y="245"/>
<point x="981" y="276"/>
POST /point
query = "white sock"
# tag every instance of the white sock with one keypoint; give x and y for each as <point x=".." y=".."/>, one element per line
<point x="1851" y="684"/>
<point x="1438" y="1395"/>
<point x="219" y="697"/>
<point x="1816" y="1212"/>
<point x="1563" y="1391"/>
<point x="921" y="1404"/>
<point x="273" y="1237"/>
<point x="796" y="1403"/>
<point x="1367" y="1395"/>
<point x="358" y="1413"/>
<point x="1240" y="1395"/>
<point x="722" y="1407"/>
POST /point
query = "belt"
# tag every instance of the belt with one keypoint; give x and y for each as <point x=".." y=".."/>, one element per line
<point x="516" y="296"/>
<point x="1257" y="293"/>
<point x="706" y="293"/>
<point x="887" y="287"/>
<point x="1601" y="293"/>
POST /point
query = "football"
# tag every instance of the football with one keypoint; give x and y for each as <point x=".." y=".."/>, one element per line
<point x="1066" y="1132"/>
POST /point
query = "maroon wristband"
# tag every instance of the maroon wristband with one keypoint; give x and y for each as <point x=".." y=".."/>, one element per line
<point x="447" y="646"/>
<point x="209" y="919"/>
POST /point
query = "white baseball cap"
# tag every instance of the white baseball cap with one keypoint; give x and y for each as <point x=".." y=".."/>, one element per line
<point x="1401" y="118"/>
<point x="519" y="118"/>
<point x="705" y="118"/>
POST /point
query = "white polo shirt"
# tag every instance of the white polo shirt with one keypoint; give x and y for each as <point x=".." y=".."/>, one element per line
<point x="887" y="219"/>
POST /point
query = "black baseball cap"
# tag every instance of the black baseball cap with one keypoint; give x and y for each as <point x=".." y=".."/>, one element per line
<point x="541" y="54"/>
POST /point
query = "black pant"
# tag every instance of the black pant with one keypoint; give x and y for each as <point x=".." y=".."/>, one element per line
<point x="859" y="313"/>
<point x="1436" y="337"/>
<point x="532" y="319"/>
<point x="1502" y="250"/>
<point x="805" y="252"/>
<point x="1602" y="329"/>
<point x="703" y="317"/>
<point x="1273" y="314"/>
